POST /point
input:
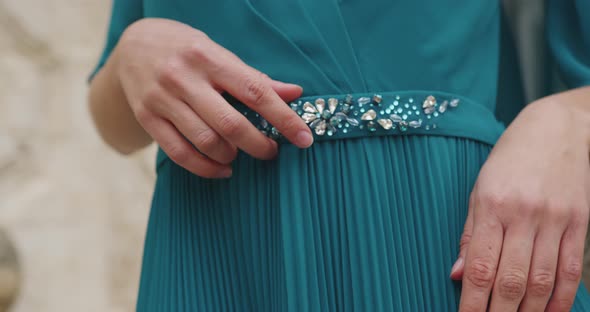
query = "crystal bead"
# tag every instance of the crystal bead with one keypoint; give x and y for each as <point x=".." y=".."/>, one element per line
<point x="274" y="133"/>
<point x="395" y="118"/>
<point x="299" y="112"/>
<point x="443" y="106"/>
<point x="429" y="110"/>
<point x="407" y="105"/>
<point x="332" y="104"/>
<point x="364" y="100"/>
<point x="435" y="114"/>
<point x="411" y="100"/>
<point x="345" y="108"/>
<point x="404" y="116"/>
<point x="372" y="126"/>
<point x="385" y="123"/>
<point x="263" y="123"/>
<point x="335" y="121"/>
<point x="395" y="103"/>
<point x="309" y="108"/>
<point x="403" y="125"/>
<point x="429" y="102"/>
<point x="454" y="102"/>
<point x="314" y="123"/>
<point x="320" y="129"/>
<point x="320" y="104"/>
<point x="348" y="99"/>
<point x="399" y="110"/>
<point x="415" y="123"/>
<point x="353" y="122"/>
<point x="308" y="117"/>
<point x="294" y="106"/>
<point x="377" y="98"/>
<point x="326" y="114"/>
<point x="369" y="115"/>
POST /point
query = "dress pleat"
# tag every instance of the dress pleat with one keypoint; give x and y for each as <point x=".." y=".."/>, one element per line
<point x="370" y="224"/>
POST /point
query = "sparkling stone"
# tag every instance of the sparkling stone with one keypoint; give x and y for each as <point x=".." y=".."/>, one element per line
<point x="348" y="99"/>
<point x="364" y="100"/>
<point x="395" y="118"/>
<point x="399" y="110"/>
<point x="362" y="110"/>
<point x="345" y="130"/>
<point x="407" y="105"/>
<point x="330" y="132"/>
<point x="335" y="121"/>
<point x="434" y="126"/>
<point x="353" y="122"/>
<point x="411" y="100"/>
<point x="299" y="112"/>
<point x="309" y="108"/>
<point x="388" y="111"/>
<point x="428" y="116"/>
<point x="346" y="125"/>
<point x="332" y="104"/>
<point x="429" y="110"/>
<point x="377" y="98"/>
<point x="435" y="114"/>
<point x="345" y="108"/>
<point x="355" y="113"/>
<point x="326" y="114"/>
<point x="395" y="103"/>
<point x="415" y="123"/>
<point x="429" y="102"/>
<point x="309" y="117"/>
<point x="385" y="123"/>
<point x="294" y="106"/>
<point x="314" y="123"/>
<point x="372" y="126"/>
<point x="263" y="123"/>
<point x="404" y="116"/>
<point x="369" y="115"/>
<point x="320" y="104"/>
<point x="339" y="126"/>
<point x="274" y="133"/>
<point x="414" y="107"/>
<point x="403" y="125"/>
<point x="427" y="127"/>
<point x="397" y="97"/>
<point x="320" y="129"/>
<point x="409" y="113"/>
<point x="454" y="102"/>
<point x="381" y="112"/>
<point x="443" y="106"/>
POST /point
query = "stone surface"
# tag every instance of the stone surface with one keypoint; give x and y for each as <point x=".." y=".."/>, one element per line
<point x="75" y="210"/>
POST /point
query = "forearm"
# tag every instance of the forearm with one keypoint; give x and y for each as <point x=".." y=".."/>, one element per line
<point x="112" y="114"/>
<point x="577" y="110"/>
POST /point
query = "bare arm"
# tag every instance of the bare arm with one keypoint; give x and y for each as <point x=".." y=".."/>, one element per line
<point x="112" y="114"/>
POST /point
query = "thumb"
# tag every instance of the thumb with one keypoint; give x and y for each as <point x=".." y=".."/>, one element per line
<point x="287" y="91"/>
<point x="458" y="267"/>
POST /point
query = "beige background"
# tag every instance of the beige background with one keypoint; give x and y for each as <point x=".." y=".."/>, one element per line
<point x="75" y="210"/>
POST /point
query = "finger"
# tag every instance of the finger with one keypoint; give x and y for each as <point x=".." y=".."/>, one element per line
<point x="253" y="89"/>
<point x="217" y="113"/>
<point x="542" y="272"/>
<point x="513" y="271"/>
<point x="569" y="267"/>
<point x="481" y="261"/>
<point x="286" y="91"/>
<point x="458" y="267"/>
<point x="180" y="150"/>
<point x="205" y="139"/>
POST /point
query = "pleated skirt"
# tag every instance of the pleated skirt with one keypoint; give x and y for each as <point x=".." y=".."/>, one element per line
<point x="366" y="224"/>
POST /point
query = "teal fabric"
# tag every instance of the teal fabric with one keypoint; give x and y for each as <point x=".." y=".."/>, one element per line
<point x="353" y="224"/>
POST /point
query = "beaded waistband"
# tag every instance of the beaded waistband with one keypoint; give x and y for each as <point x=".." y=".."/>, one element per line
<point x="409" y="112"/>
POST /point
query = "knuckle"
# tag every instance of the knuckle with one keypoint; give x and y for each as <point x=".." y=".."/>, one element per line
<point x="179" y="154"/>
<point x="512" y="285"/>
<point x="206" y="140"/>
<point x="563" y="304"/>
<point x="572" y="271"/>
<point x="198" y="53"/>
<point x="143" y="115"/>
<point x="541" y="283"/>
<point x="480" y="272"/>
<point x="256" y="90"/>
<point x="494" y="200"/>
<point x="470" y="307"/>
<point x="151" y="98"/>
<point x="169" y="74"/>
<point x="230" y="125"/>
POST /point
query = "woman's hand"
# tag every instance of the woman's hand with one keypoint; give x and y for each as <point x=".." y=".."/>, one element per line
<point x="172" y="76"/>
<point x="523" y="240"/>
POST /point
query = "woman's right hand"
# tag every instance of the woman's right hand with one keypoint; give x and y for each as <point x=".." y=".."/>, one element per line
<point x="173" y="76"/>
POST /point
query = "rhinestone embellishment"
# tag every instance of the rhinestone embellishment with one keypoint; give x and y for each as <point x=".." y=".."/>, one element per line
<point x="366" y="113"/>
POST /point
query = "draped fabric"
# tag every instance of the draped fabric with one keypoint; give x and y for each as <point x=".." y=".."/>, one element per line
<point x="359" y="224"/>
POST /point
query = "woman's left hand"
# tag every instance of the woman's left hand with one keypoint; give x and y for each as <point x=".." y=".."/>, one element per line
<point x="523" y="241"/>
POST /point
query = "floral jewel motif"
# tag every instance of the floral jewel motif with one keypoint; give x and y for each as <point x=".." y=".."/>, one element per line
<point x="365" y="113"/>
<point x="323" y="120"/>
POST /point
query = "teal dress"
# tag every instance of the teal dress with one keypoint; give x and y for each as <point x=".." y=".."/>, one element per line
<point x="402" y="98"/>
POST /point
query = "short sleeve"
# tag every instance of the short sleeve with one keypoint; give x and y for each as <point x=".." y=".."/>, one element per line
<point x="123" y="13"/>
<point x="568" y="35"/>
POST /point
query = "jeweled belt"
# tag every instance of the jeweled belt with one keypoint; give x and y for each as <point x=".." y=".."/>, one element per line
<point x="389" y="113"/>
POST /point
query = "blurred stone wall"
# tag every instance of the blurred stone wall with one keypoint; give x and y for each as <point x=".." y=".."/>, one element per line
<point x="75" y="210"/>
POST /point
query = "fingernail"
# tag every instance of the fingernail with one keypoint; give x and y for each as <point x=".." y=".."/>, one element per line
<point x="225" y="173"/>
<point x="457" y="265"/>
<point x="304" y="139"/>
